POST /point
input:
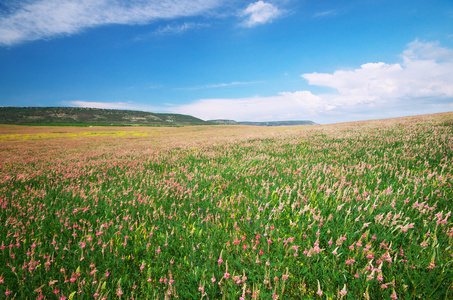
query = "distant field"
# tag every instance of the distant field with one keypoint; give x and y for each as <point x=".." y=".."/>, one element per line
<point x="354" y="210"/>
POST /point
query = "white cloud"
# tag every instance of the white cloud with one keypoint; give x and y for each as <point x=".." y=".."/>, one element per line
<point x="40" y="19"/>
<point x="285" y="106"/>
<point x="369" y="83"/>
<point x="422" y="83"/>
<point x="432" y="50"/>
<point x="426" y="71"/>
<point x="259" y="13"/>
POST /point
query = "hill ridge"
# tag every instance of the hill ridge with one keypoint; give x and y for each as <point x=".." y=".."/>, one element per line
<point x="79" y="115"/>
<point x="101" y="116"/>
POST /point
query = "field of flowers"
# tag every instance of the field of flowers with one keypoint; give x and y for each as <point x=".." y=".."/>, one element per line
<point x="348" y="211"/>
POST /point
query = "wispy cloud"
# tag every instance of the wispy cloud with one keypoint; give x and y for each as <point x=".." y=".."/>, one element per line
<point x="218" y="85"/>
<point x="327" y="13"/>
<point x="44" y="19"/>
<point x="258" y="13"/>
<point x="172" y="29"/>
<point x="422" y="83"/>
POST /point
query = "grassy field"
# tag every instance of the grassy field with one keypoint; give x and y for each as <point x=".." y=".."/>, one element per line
<point x="347" y="211"/>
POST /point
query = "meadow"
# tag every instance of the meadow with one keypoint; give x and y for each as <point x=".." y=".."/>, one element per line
<point x="346" y="211"/>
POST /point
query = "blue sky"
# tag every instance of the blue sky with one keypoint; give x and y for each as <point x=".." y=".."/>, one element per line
<point x="267" y="60"/>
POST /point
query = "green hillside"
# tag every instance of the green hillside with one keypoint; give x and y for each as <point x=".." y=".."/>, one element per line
<point x="95" y="116"/>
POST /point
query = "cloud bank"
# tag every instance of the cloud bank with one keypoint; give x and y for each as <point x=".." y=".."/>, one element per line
<point x="424" y="79"/>
<point x="41" y="19"/>
<point x="421" y="83"/>
<point x="285" y="106"/>
<point x="426" y="72"/>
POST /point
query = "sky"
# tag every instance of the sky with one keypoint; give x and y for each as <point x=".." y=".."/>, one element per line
<point x="327" y="61"/>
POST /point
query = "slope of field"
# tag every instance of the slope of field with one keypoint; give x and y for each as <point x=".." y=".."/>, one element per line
<point x="73" y="115"/>
<point x="348" y="211"/>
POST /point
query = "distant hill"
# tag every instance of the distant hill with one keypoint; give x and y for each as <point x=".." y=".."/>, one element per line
<point x="223" y="122"/>
<point x="273" y="123"/>
<point x="95" y="116"/>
